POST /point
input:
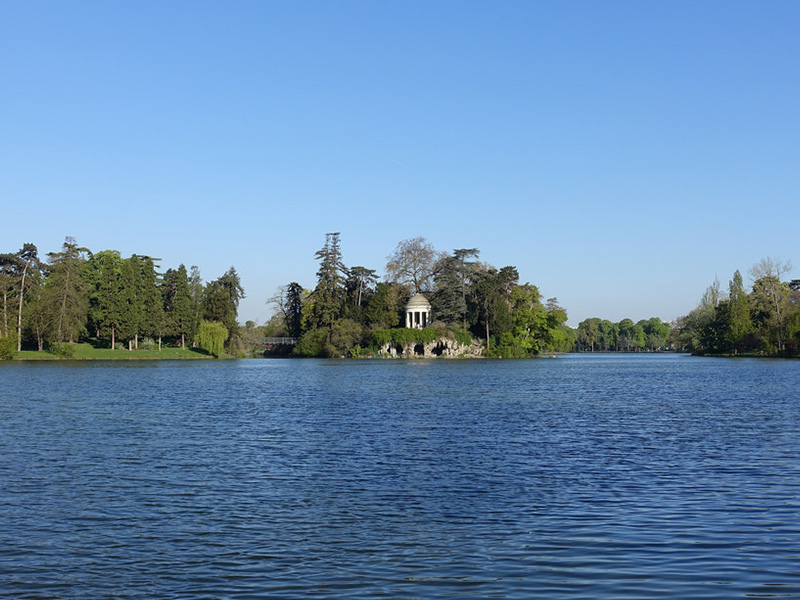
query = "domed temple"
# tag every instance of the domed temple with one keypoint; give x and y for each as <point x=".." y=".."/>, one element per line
<point x="418" y="312"/>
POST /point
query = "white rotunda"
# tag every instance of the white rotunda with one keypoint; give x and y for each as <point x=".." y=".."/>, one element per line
<point x="418" y="312"/>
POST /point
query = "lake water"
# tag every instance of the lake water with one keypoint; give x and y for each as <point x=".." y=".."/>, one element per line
<point x="584" y="476"/>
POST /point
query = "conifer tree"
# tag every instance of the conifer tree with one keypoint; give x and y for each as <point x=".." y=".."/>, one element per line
<point x="329" y="293"/>
<point x="104" y="304"/>
<point x="178" y="303"/>
<point x="67" y="292"/>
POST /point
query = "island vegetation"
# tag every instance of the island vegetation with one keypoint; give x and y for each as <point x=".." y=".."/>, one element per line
<point x="83" y="304"/>
<point x="350" y="312"/>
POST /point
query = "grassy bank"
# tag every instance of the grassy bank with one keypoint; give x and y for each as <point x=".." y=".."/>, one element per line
<point x="89" y="352"/>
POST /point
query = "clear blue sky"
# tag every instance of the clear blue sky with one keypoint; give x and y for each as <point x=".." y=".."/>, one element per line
<point x="619" y="154"/>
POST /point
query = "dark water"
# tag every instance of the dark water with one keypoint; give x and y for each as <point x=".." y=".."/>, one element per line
<point x="624" y="477"/>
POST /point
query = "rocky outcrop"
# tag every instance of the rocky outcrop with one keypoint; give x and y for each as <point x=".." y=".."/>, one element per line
<point x="442" y="347"/>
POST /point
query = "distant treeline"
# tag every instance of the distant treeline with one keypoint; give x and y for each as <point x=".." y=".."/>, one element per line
<point x="764" y="321"/>
<point x="116" y="302"/>
<point x="601" y="335"/>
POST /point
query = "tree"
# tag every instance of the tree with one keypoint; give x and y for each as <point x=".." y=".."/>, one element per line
<point x="28" y="258"/>
<point x="211" y="336"/>
<point x="771" y="295"/>
<point x="414" y="262"/>
<point x="329" y="293"/>
<point x="178" y="309"/>
<point x="771" y="302"/>
<point x="196" y="290"/>
<point x="740" y="322"/>
<point x="141" y="306"/>
<point x="360" y="282"/>
<point x="7" y="264"/>
<point x="105" y="301"/>
<point x="153" y="322"/>
<point x="656" y="333"/>
<point x="492" y="291"/>
<point x="529" y="317"/>
<point x="452" y="282"/>
<point x="67" y="292"/>
<point x="587" y="333"/>
<point x="288" y="300"/>
<point x="384" y="308"/>
<point x="130" y="308"/>
<point x="221" y="300"/>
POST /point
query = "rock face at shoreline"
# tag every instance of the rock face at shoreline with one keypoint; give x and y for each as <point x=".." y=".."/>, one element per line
<point x="442" y="347"/>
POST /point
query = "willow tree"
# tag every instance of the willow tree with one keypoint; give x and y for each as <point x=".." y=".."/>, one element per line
<point x="211" y="336"/>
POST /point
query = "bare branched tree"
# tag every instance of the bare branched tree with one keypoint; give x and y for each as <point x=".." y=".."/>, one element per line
<point x="414" y="262"/>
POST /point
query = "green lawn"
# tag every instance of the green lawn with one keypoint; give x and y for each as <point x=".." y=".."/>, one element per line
<point x="89" y="352"/>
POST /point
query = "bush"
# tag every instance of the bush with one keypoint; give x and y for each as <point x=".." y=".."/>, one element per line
<point x="8" y="346"/>
<point x="63" y="350"/>
<point x="403" y="336"/>
<point x="312" y="344"/>
<point x="462" y="337"/>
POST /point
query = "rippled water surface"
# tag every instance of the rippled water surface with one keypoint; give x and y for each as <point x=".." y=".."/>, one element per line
<point x="625" y="477"/>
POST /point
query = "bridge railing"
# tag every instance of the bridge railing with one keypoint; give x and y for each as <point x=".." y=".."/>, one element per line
<point x="279" y="341"/>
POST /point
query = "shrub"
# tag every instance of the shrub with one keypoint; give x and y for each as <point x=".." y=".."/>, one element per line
<point x="462" y="337"/>
<point x="63" y="350"/>
<point x="312" y="343"/>
<point x="8" y="346"/>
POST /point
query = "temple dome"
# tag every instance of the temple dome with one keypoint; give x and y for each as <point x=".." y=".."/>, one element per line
<point x="418" y="301"/>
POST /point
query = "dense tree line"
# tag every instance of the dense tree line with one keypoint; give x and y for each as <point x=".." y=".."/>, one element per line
<point x="350" y="308"/>
<point x="602" y="335"/>
<point x="764" y="320"/>
<point x="114" y="302"/>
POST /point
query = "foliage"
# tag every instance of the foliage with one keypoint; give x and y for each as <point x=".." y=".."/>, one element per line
<point x="385" y="307"/>
<point x="221" y="300"/>
<point x="66" y="299"/>
<point x="314" y="343"/>
<point x="289" y="301"/>
<point x="8" y="346"/>
<point x="328" y="296"/>
<point x="63" y="350"/>
<point x="403" y="337"/>
<point x="766" y="321"/>
<point x="462" y="337"/>
<point x="211" y="336"/>
<point x="178" y="304"/>
<point x="596" y="334"/>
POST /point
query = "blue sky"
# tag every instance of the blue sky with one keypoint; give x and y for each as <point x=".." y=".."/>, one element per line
<point x="620" y="154"/>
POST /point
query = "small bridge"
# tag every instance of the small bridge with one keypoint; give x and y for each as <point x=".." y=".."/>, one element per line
<point x="279" y="341"/>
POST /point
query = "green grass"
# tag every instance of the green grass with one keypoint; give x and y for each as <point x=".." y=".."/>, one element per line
<point x="89" y="352"/>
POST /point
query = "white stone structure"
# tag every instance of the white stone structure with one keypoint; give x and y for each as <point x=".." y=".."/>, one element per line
<point x="418" y="312"/>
